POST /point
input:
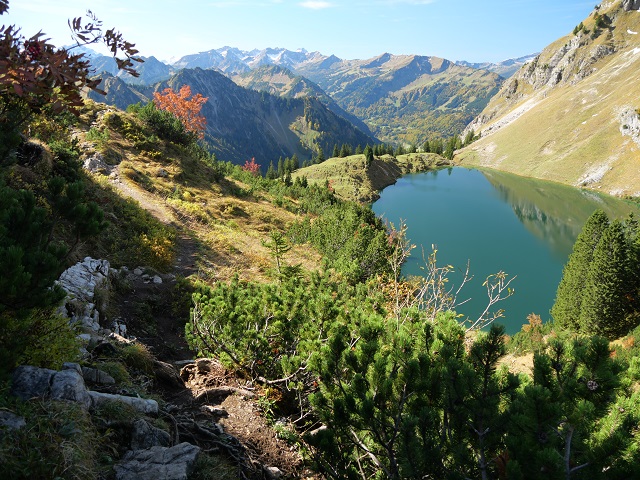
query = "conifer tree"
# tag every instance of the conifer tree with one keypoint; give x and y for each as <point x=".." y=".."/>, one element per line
<point x="608" y="286"/>
<point x="280" y="168"/>
<point x="321" y="158"/>
<point x="358" y="150"/>
<point x="271" y="172"/>
<point x="336" y="151"/>
<point x="368" y="155"/>
<point x="426" y="148"/>
<point x="567" y="307"/>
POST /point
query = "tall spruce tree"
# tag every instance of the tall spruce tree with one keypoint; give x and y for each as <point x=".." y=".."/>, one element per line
<point x="566" y="309"/>
<point x="608" y="286"/>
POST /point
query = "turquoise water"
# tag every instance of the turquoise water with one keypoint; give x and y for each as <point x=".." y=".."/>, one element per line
<point x="497" y="222"/>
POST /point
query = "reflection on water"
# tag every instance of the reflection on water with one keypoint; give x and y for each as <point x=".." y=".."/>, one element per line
<point x="553" y="212"/>
<point x="497" y="221"/>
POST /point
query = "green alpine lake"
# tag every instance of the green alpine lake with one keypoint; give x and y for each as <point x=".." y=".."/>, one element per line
<point x="497" y="222"/>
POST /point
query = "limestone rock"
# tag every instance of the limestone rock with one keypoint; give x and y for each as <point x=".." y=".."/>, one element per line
<point x="158" y="463"/>
<point x="143" y="405"/>
<point x="69" y="385"/>
<point x="144" y="436"/>
<point x="94" y="375"/>
<point x="273" y="472"/>
<point x="29" y="382"/>
<point x="96" y="164"/>
<point x="81" y="282"/>
<point x="631" y="5"/>
<point x="11" y="421"/>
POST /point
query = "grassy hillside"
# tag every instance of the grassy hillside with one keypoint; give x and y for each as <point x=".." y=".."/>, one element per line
<point x="353" y="180"/>
<point x="571" y="115"/>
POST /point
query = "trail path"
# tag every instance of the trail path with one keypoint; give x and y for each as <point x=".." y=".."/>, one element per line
<point x="186" y="246"/>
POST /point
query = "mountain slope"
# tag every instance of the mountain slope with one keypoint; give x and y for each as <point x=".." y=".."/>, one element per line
<point x="243" y="123"/>
<point x="283" y="82"/>
<point x="571" y="114"/>
<point x="405" y="98"/>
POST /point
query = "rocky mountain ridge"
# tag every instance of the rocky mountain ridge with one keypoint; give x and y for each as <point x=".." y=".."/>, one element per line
<point x="396" y="98"/>
<point x="570" y="115"/>
<point x="505" y="69"/>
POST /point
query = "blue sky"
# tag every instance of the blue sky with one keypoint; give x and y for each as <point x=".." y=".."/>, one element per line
<point x="488" y="30"/>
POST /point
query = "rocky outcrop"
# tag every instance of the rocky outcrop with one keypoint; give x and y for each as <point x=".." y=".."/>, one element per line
<point x="628" y="5"/>
<point x="630" y="123"/>
<point x="68" y="384"/>
<point x="82" y="282"/>
<point x="158" y="463"/>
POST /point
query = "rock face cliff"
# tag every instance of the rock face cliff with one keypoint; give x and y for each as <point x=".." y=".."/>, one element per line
<point x="571" y="114"/>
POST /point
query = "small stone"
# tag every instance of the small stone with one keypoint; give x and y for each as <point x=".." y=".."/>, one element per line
<point x="162" y="173"/>
<point x="138" y="271"/>
<point x="84" y="337"/>
<point x="11" y="421"/>
<point x="157" y="279"/>
<point x="273" y="472"/>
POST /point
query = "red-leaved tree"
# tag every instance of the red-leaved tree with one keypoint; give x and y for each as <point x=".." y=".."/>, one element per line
<point x="184" y="106"/>
<point x="251" y="166"/>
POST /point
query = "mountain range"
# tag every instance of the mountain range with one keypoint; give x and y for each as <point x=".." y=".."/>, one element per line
<point x="398" y="99"/>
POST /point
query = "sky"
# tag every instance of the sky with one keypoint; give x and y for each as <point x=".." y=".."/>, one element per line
<point x="472" y="30"/>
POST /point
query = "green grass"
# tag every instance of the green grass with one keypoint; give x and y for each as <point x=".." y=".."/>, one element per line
<point x="352" y="180"/>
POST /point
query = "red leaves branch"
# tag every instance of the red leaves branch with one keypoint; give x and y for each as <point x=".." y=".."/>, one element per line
<point x="185" y="108"/>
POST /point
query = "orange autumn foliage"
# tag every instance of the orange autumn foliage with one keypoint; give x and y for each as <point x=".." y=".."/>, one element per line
<point x="185" y="108"/>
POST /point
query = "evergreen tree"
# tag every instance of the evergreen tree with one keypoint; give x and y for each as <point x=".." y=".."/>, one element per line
<point x="288" y="165"/>
<point x="567" y="307"/>
<point x="426" y="148"/>
<point x="280" y="168"/>
<point x="469" y="138"/>
<point x="321" y="157"/>
<point x="368" y="155"/>
<point x="609" y="286"/>
<point x="412" y="148"/>
<point x="399" y="150"/>
<point x="345" y="150"/>
<point x="271" y="172"/>
<point x="336" y="151"/>
<point x="295" y="163"/>
<point x="358" y="150"/>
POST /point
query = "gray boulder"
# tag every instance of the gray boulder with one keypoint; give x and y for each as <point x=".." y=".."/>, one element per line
<point x="68" y="384"/>
<point x="158" y="463"/>
<point x="144" y="435"/>
<point x="29" y="382"/>
<point x="631" y="5"/>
